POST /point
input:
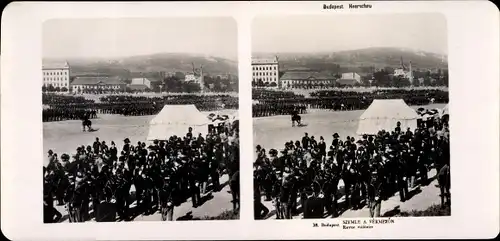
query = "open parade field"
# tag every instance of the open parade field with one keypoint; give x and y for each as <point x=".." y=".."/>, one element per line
<point x="66" y="136"/>
<point x="273" y="132"/>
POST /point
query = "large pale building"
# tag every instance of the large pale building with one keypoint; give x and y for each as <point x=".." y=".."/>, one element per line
<point x="306" y="80"/>
<point x="141" y="81"/>
<point x="349" y="79"/>
<point x="57" y="75"/>
<point x="267" y="71"/>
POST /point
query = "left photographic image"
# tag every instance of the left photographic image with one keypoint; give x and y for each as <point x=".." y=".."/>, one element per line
<point x="140" y="119"/>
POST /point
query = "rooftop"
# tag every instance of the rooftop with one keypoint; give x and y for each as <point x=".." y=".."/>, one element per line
<point x="55" y="65"/>
<point x="302" y="75"/>
<point x="98" y="80"/>
<point x="265" y="61"/>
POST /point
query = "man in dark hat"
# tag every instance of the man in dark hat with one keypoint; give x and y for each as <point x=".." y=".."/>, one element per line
<point x="313" y="205"/>
<point x="336" y="141"/>
<point x="106" y="210"/>
<point x="322" y="148"/>
<point x="50" y="214"/>
<point x="374" y="190"/>
<point x="126" y="146"/>
<point x="166" y="200"/>
<point x="96" y="146"/>
<point x="104" y="147"/>
<point x="234" y="185"/>
<point x="194" y="186"/>
<point x="398" y="128"/>
<point x="189" y="135"/>
<point x="277" y="189"/>
<point x="313" y="142"/>
<point x="260" y="211"/>
<point x="305" y="141"/>
<point x="49" y="154"/>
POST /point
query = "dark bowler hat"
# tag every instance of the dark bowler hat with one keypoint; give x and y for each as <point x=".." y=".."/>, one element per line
<point x="126" y="140"/>
<point x="336" y="135"/>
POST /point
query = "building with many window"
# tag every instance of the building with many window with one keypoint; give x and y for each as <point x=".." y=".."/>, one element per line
<point x="56" y="75"/>
<point x="266" y="71"/>
<point x="306" y="80"/>
<point x="109" y="84"/>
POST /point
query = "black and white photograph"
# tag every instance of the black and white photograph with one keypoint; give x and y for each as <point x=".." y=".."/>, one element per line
<point x="140" y="119"/>
<point x="350" y="116"/>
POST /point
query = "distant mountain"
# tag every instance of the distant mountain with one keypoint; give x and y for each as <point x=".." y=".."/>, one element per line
<point x="168" y="62"/>
<point x="361" y="58"/>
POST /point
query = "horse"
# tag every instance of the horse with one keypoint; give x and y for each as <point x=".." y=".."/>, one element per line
<point x="87" y="123"/>
<point x="296" y="118"/>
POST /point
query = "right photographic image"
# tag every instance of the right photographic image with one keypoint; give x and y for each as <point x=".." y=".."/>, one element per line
<point x="350" y="116"/>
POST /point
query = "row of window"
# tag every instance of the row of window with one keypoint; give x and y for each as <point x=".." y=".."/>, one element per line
<point x="55" y="78"/>
<point x="306" y="82"/>
<point x="55" y="73"/>
<point x="75" y="87"/>
<point x="265" y="79"/>
<point x="55" y="84"/>
<point x="264" y="68"/>
<point x="264" y="73"/>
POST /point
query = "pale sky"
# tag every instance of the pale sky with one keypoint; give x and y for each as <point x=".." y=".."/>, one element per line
<point x="425" y="32"/>
<point x="109" y="38"/>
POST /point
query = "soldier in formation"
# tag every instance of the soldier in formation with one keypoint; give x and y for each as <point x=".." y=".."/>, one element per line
<point x="73" y="108"/>
<point x="272" y="103"/>
<point x="277" y="108"/>
<point x="67" y="113"/>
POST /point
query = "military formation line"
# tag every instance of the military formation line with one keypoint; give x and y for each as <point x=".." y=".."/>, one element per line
<point x="75" y="107"/>
<point x="270" y="103"/>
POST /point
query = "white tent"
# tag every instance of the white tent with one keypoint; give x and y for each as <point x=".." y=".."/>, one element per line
<point x="176" y="120"/>
<point x="385" y="114"/>
<point x="445" y="110"/>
